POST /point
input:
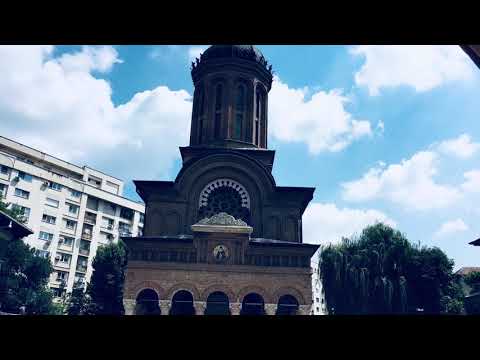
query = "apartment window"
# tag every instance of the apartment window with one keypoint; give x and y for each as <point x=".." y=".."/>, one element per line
<point x="94" y="181"/>
<point x="70" y="224"/>
<point x="24" y="176"/>
<point x="45" y="236"/>
<point x="4" y="169"/>
<point x="124" y="229"/>
<point x="106" y="237"/>
<point x="84" y="247"/>
<point x="142" y="218"/>
<point x="317" y="299"/>
<point x="75" y="194"/>
<point x="62" y="276"/>
<point x="22" y="193"/>
<point x="92" y="203"/>
<point x="126" y="213"/>
<point x="49" y="219"/>
<point x="58" y="292"/>
<point x="3" y="190"/>
<point x="52" y="202"/>
<point x="62" y="258"/>
<point x="42" y="253"/>
<point x="73" y="209"/>
<point x="107" y="223"/>
<point x="55" y="186"/>
<point x="66" y="241"/>
<point x="82" y="263"/>
<point x="318" y="309"/>
<point x="22" y="211"/>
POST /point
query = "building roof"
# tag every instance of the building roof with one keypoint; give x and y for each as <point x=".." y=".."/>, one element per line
<point x="222" y="51"/>
<point x="18" y="229"/>
<point x="467" y="270"/>
<point x="473" y="51"/>
<point x="475" y="242"/>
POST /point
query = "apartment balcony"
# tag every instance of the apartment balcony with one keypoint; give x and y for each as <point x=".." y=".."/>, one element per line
<point x="62" y="264"/>
<point x="108" y="227"/>
<point x="81" y="268"/>
<point x="85" y="252"/>
<point x="86" y="236"/>
<point x="90" y="219"/>
<point x="125" y="232"/>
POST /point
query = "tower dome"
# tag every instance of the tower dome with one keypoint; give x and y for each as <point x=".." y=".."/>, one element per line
<point x="243" y="51"/>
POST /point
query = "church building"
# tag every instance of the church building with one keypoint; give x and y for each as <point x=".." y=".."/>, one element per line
<point x="223" y="238"/>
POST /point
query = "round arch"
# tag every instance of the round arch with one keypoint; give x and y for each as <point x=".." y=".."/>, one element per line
<point x="253" y="304"/>
<point x="288" y="290"/>
<point x="254" y="289"/>
<point x="218" y="287"/>
<point x="183" y="286"/>
<point x="148" y="284"/>
<point x="146" y="302"/>
<point x="182" y="303"/>
<point x="218" y="303"/>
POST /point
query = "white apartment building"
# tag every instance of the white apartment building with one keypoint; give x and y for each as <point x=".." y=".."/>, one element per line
<point x="72" y="210"/>
<point x="318" y="299"/>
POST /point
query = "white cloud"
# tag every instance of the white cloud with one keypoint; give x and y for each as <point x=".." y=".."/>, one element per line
<point x="422" y="67"/>
<point x="325" y="223"/>
<point x="58" y="106"/>
<point x="451" y="227"/>
<point x="99" y="58"/>
<point x="410" y="184"/>
<point x="195" y="51"/>
<point x="321" y="122"/>
<point x="472" y="182"/>
<point x="461" y="147"/>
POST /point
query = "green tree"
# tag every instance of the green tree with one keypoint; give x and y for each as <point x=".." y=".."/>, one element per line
<point x="473" y="280"/>
<point x="381" y="272"/>
<point x="78" y="302"/>
<point x="106" y="284"/>
<point x="26" y="277"/>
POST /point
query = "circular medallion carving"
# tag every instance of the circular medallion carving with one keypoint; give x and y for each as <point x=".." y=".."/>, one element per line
<point x="220" y="253"/>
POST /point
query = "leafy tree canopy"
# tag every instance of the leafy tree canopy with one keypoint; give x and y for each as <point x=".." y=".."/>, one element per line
<point x="381" y="272"/>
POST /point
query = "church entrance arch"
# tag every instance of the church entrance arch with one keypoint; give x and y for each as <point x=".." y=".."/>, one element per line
<point x="182" y="303"/>
<point x="147" y="303"/>
<point x="217" y="304"/>
<point x="253" y="304"/>
<point x="287" y="305"/>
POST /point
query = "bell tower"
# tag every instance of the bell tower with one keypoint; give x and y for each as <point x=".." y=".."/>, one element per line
<point x="231" y="97"/>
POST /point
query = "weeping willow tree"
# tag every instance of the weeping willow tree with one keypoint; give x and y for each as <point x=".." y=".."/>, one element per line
<point x="381" y="272"/>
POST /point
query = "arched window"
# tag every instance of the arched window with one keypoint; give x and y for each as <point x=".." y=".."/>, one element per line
<point x="182" y="303"/>
<point x="217" y="304"/>
<point x="201" y="113"/>
<point x="147" y="303"/>
<point x="239" y="112"/>
<point x="258" y="115"/>
<point x="218" y="109"/>
<point x="287" y="305"/>
<point x="253" y="304"/>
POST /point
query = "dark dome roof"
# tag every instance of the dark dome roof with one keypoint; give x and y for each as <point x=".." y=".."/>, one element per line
<point x="243" y="51"/>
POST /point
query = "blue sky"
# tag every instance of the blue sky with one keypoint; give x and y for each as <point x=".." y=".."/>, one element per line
<point x="388" y="133"/>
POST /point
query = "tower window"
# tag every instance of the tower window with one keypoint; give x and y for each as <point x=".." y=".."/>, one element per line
<point x="239" y="112"/>
<point x="218" y="109"/>
<point x="258" y="114"/>
<point x="201" y="104"/>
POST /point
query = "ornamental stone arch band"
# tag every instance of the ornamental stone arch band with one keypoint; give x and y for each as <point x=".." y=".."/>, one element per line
<point x="183" y="286"/>
<point x="235" y="185"/>
<point x="254" y="289"/>
<point x="148" y="284"/>
<point x="218" y="287"/>
<point x="288" y="290"/>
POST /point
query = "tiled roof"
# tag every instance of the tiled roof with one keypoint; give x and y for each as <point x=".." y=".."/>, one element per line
<point x="467" y="270"/>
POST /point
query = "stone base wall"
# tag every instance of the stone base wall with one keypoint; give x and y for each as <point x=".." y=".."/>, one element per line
<point x="203" y="279"/>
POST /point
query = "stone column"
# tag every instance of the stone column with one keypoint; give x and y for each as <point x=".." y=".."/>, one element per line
<point x="304" y="310"/>
<point x="235" y="308"/>
<point x="129" y="305"/>
<point x="164" y="307"/>
<point x="200" y="307"/>
<point x="270" y="309"/>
